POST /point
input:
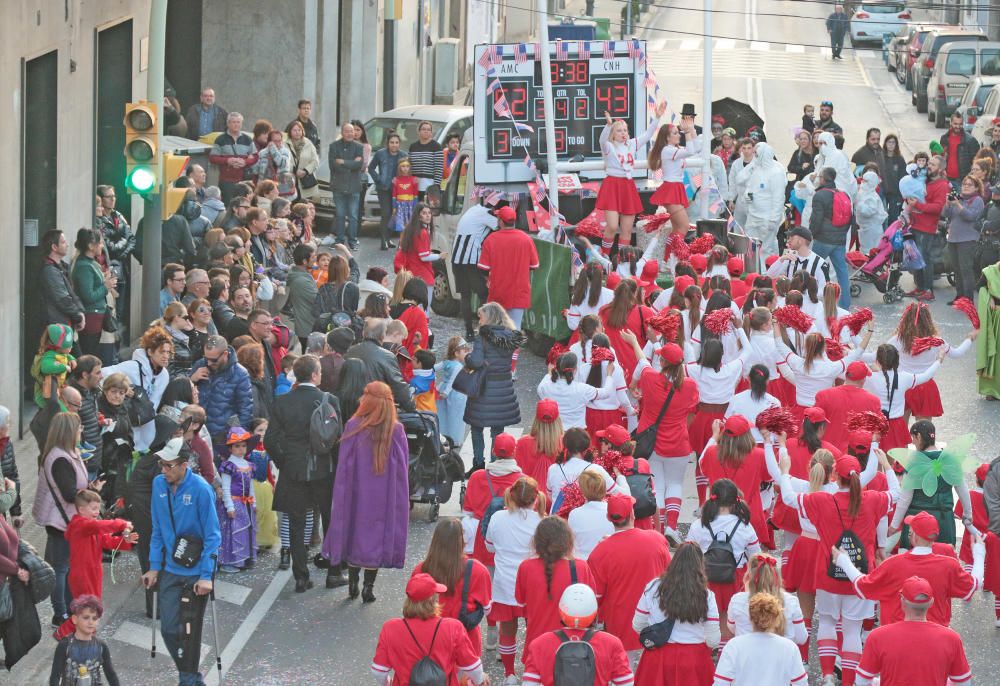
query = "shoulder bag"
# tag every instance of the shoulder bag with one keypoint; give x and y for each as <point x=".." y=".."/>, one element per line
<point x="140" y="407"/>
<point x="471" y="381"/>
<point x="187" y="547"/>
<point x="645" y="440"/>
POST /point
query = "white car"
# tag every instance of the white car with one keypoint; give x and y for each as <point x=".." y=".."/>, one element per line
<point x="872" y="19"/>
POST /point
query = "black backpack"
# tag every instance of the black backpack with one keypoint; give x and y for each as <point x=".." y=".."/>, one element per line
<point x="426" y="672"/>
<point x="720" y="560"/>
<point x="470" y="619"/>
<point x="325" y="426"/>
<point x="495" y="505"/>
<point x="851" y="544"/>
<point x="576" y="663"/>
<point x="641" y="486"/>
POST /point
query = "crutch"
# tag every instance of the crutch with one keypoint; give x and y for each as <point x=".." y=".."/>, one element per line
<point x="215" y="618"/>
<point x="152" y="650"/>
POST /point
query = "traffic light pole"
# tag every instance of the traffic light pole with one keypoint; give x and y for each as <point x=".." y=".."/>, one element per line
<point x="152" y="225"/>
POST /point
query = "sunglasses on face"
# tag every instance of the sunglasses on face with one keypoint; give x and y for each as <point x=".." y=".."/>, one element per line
<point x="167" y="466"/>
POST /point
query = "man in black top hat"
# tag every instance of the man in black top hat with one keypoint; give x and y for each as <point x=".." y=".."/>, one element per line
<point x="687" y="118"/>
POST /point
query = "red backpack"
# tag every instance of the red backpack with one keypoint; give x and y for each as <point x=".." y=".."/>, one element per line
<point x="841" y="208"/>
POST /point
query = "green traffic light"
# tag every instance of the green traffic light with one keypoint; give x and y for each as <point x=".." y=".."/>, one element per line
<point x="141" y="180"/>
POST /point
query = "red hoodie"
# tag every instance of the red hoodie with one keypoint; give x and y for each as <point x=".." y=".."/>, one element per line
<point x="87" y="538"/>
<point x="924" y="215"/>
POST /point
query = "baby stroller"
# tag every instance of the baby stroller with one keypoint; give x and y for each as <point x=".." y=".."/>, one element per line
<point x="433" y="467"/>
<point x="882" y="266"/>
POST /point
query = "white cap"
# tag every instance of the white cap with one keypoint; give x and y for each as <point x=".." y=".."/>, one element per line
<point x="578" y="606"/>
<point x="172" y="450"/>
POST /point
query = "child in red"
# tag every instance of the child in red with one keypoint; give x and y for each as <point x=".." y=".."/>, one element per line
<point x="981" y="522"/>
<point x="404" y="196"/>
<point x="414" y="254"/>
<point x="88" y="536"/>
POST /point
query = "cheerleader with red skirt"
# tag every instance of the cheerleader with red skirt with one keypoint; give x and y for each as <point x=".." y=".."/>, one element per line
<point x="603" y="411"/>
<point x="765" y="352"/>
<point x="892" y="385"/>
<point x="681" y="594"/>
<point x="668" y="155"/>
<point x="618" y="196"/>
<point x="812" y="370"/>
<point x="538" y="449"/>
<point x="922" y="401"/>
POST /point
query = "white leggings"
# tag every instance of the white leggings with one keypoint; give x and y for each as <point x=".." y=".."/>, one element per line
<point x="668" y="476"/>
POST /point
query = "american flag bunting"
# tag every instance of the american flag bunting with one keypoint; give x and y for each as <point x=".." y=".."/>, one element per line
<point x="562" y="51"/>
<point x="500" y="106"/>
<point x="520" y="53"/>
<point x="583" y="49"/>
<point x="609" y="49"/>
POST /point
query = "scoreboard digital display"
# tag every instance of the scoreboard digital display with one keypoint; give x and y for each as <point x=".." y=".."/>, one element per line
<point x="582" y="91"/>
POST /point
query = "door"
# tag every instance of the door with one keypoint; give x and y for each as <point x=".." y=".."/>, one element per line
<point x="40" y="104"/>
<point x="112" y="88"/>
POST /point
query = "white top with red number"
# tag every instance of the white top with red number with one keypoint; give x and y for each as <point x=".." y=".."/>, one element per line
<point x="589" y="524"/>
<point x="760" y="659"/>
<point x="744" y="540"/>
<point x="738" y="617"/>
<point x="509" y="538"/>
<point x="619" y="158"/>
<point x="648" y="612"/>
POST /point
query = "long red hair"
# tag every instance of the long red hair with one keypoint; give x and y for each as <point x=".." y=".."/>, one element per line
<point x="377" y="414"/>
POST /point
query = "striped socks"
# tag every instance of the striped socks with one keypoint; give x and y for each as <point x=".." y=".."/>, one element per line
<point x="827" y="650"/>
<point x="673" y="510"/>
<point x="606" y="243"/>
<point x="507" y="650"/>
<point x="848" y="667"/>
<point x="701" y="483"/>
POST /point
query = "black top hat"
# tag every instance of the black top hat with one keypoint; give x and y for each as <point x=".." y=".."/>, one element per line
<point x="687" y="110"/>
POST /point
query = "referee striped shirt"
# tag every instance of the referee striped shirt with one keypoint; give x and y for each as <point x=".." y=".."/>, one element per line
<point x="473" y="228"/>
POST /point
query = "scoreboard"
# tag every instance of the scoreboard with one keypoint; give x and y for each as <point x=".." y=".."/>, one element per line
<point x="583" y="89"/>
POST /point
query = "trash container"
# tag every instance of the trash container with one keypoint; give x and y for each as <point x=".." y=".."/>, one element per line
<point x="886" y="40"/>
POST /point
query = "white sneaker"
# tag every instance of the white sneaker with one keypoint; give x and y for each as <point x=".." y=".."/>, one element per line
<point x="512" y="680"/>
<point x="492" y="637"/>
<point x="829" y="680"/>
<point x="997" y="624"/>
<point x="673" y="537"/>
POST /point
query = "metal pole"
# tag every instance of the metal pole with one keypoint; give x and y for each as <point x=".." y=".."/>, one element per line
<point x="152" y="225"/>
<point x="628" y="19"/>
<point x="706" y="141"/>
<point x="550" y="128"/>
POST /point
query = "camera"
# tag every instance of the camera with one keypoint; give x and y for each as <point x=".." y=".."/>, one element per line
<point x="953" y="195"/>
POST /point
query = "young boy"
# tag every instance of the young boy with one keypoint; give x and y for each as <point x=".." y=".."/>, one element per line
<point x="88" y="536"/>
<point x="424" y="391"/>
<point x="321" y="267"/>
<point x="83" y="654"/>
<point x="808" y="118"/>
<point x="286" y="379"/>
<point x="395" y="334"/>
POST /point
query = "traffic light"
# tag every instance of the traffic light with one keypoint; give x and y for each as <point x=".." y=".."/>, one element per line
<point x="174" y="167"/>
<point x="142" y="139"/>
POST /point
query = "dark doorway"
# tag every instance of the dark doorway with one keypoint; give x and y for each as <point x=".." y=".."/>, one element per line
<point x="183" y="58"/>
<point x="40" y="86"/>
<point x="113" y="79"/>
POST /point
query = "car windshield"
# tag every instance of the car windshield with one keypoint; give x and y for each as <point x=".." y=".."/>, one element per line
<point x="982" y="94"/>
<point x="989" y="62"/>
<point x="378" y="128"/>
<point x="883" y="7"/>
<point x="944" y="40"/>
<point x="961" y="62"/>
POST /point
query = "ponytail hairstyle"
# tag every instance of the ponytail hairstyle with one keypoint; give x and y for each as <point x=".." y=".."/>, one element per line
<point x="767" y="614"/>
<point x="588" y="285"/>
<point x="758" y="297"/>
<point x="820" y="469"/>
<point x="576" y="441"/>
<point x="718" y="255"/>
<point x="782" y="285"/>
<point x="684" y="268"/>
<point x="802" y="281"/>
<point x="693" y="296"/>
<point x="762" y="576"/>
<point x="853" y="483"/>
<point x="682" y="595"/>
<point x="553" y="541"/>
<point x="674" y="373"/>
<point x="794" y="298"/>
<point x="565" y="368"/>
<point x="831" y="293"/>
<point x="717" y="283"/>
<point x="627" y="255"/>
<point x="711" y="355"/>
<point x="677" y="301"/>
<point x="523" y="494"/>
<point x="758" y="377"/>
<point x="763" y="281"/>
<point x="812" y="434"/>
<point x="595" y="377"/>
<point x="589" y="326"/>
<point x="924" y="432"/>
<point x="724" y="493"/>
<point x="814" y="348"/>
<point x="757" y="319"/>
<point x="731" y="451"/>
<point x="887" y="357"/>
<point x="916" y="322"/>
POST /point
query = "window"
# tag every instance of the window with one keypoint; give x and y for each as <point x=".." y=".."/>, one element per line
<point x="454" y="191"/>
<point x="378" y="128"/>
<point x="961" y="62"/>
<point x="883" y="8"/>
<point x="989" y="62"/>
<point x="981" y="95"/>
<point x="942" y="41"/>
<point x="460" y="126"/>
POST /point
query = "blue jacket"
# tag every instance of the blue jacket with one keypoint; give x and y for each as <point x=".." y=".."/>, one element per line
<point x="194" y="514"/>
<point x="225" y="393"/>
<point x="382" y="168"/>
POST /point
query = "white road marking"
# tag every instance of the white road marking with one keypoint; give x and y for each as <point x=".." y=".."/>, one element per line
<point x="229" y="592"/>
<point x="863" y="70"/>
<point x="690" y="44"/>
<point x="758" y="45"/>
<point x="795" y="48"/>
<point x="725" y="44"/>
<point x="826" y="52"/>
<point x="141" y="637"/>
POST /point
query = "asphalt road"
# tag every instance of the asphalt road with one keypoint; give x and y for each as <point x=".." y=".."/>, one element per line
<point x="270" y="636"/>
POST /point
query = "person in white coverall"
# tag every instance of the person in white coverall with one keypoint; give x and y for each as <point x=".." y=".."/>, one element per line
<point x="829" y="156"/>
<point x="869" y="211"/>
<point x="737" y="197"/>
<point x="764" y="180"/>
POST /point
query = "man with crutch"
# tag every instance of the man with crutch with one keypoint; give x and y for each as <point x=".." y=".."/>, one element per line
<point x="183" y="549"/>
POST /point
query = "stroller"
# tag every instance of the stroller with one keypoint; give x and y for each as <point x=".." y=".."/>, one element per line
<point x="882" y="266"/>
<point x="434" y="467"/>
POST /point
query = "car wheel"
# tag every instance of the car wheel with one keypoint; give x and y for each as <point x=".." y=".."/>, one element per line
<point x="908" y="81"/>
<point x="922" y="104"/>
<point x="444" y="302"/>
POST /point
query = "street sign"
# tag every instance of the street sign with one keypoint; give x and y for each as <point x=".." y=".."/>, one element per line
<point x="509" y="113"/>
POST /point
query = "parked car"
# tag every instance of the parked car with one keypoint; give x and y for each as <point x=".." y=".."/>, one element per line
<point x="957" y="64"/>
<point x="982" y="129"/>
<point x="445" y="119"/>
<point x="974" y="99"/>
<point x="923" y="66"/>
<point x="897" y="46"/>
<point x="908" y="56"/>
<point x="872" y="19"/>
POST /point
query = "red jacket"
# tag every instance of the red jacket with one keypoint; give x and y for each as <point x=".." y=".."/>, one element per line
<point x="87" y="538"/>
<point x="924" y="215"/>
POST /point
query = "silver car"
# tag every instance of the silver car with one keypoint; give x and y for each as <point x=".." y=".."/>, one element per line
<point x="872" y="19"/>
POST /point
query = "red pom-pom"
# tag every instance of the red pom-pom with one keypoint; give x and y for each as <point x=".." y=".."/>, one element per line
<point x="718" y="321"/>
<point x="966" y="307"/>
<point x="602" y="355"/>
<point x="855" y="321"/>
<point x="590" y="227"/>
<point x="613" y="461"/>
<point x="925" y="343"/>
<point x="676" y="247"/>
<point x="555" y="351"/>
<point x="652" y="223"/>
<point x="793" y="318"/>
<point x="835" y="349"/>
<point x="874" y="422"/>
<point x="572" y="499"/>
<point x="702" y="244"/>
<point x="777" y="420"/>
<point x="667" y="324"/>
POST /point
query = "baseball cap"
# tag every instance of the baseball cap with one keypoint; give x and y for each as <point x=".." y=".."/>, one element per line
<point x="547" y="411"/>
<point x="506" y="214"/>
<point x="671" y="353"/>
<point x="801" y="232"/>
<point x="815" y="414"/>
<point x="422" y="586"/>
<point x="615" y="434"/>
<point x="614" y="278"/>
<point x="650" y="271"/>
<point x="860" y="440"/>
<point x="924" y="525"/>
<point x="734" y="265"/>
<point x="917" y="590"/>
<point x="172" y="450"/>
<point x="699" y="262"/>
<point x="858" y="370"/>
<point x="682" y="282"/>
<point x="503" y="445"/>
<point x="769" y="260"/>
<point x="847" y="465"/>
<point x="620" y="507"/>
<point x="736" y="425"/>
<point x="981" y="471"/>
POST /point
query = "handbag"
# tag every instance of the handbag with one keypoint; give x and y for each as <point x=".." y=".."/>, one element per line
<point x="471" y="381"/>
<point x="656" y="635"/>
<point x="187" y="548"/>
<point x="110" y="323"/>
<point x="470" y="619"/>
<point x="308" y="181"/>
<point x="645" y="440"/>
<point x="140" y="407"/>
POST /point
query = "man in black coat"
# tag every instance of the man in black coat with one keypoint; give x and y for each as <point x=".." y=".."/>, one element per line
<point x="60" y="304"/>
<point x="381" y="364"/>
<point x="305" y="481"/>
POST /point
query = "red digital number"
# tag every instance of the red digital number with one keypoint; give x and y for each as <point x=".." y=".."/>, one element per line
<point x="620" y="99"/>
<point x="561" y="107"/>
<point x="554" y="72"/>
<point x="501" y="142"/>
<point x="580" y="70"/>
<point x="517" y="98"/>
<point x="539" y="109"/>
<point x="560" y="140"/>
<point x="582" y="107"/>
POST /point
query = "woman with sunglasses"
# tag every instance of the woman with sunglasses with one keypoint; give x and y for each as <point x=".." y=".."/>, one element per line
<point x="202" y="326"/>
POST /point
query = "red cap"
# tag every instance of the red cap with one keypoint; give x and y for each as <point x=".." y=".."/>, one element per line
<point x="547" y="411"/>
<point x="620" y="507"/>
<point x="650" y="271"/>
<point x="736" y="425"/>
<point x="422" y="586"/>
<point x="614" y="278"/>
<point x="858" y="370"/>
<point x="847" y="465"/>
<point x="769" y="260"/>
<point x="506" y="214"/>
<point x="860" y="440"/>
<point x="699" y="262"/>
<point x="924" y="525"/>
<point x="981" y="471"/>
<point x="503" y="445"/>
<point x="671" y="353"/>
<point x="615" y="434"/>
<point x="734" y="266"/>
<point x="815" y="414"/>
<point x="682" y="282"/>
<point x="917" y="590"/>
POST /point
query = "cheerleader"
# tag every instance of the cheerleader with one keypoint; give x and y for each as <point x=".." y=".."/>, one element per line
<point x="681" y="593"/>
<point x="508" y="537"/>
<point x="754" y="400"/>
<point x="538" y="450"/>
<point x="813" y="371"/>
<point x="891" y="386"/>
<point x="922" y="401"/>
<point x="625" y="314"/>
<point x="573" y="461"/>
<point x="726" y="517"/>
<point x="590" y="325"/>
<point x="668" y="156"/>
<point x="589" y="522"/>
<point x="826" y="313"/>
<point x="618" y="196"/>
<point x="615" y="437"/>
<point x="720" y="300"/>
<point x="484" y="485"/>
<point x="603" y="411"/>
<point x="762" y="656"/>
<point x="589" y="295"/>
<point x="810" y="439"/>
<point x="760" y="326"/>
<point x="716" y="386"/>
<point x="762" y="576"/>
<point x="571" y="395"/>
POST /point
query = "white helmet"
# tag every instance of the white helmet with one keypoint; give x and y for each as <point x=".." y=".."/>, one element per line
<point x="578" y="606"/>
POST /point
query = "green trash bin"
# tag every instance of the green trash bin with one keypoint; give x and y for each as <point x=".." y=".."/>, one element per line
<point x="603" y="28"/>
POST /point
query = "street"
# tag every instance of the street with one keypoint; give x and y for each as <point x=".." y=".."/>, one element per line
<point x="269" y="635"/>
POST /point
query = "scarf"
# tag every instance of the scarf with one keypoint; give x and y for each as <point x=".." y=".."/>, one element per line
<point x="503" y="466"/>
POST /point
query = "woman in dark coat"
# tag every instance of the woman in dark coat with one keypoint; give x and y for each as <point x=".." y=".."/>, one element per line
<point x="251" y="356"/>
<point x="496" y="407"/>
<point x="895" y="169"/>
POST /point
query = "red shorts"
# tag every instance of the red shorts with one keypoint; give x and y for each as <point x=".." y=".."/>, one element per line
<point x="924" y="400"/>
<point x="670" y="193"/>
<point x="619" y="195"/>
<point x="676" y="664"/>
<point x="500" y="612"/>
<point x="800" y="572"/>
